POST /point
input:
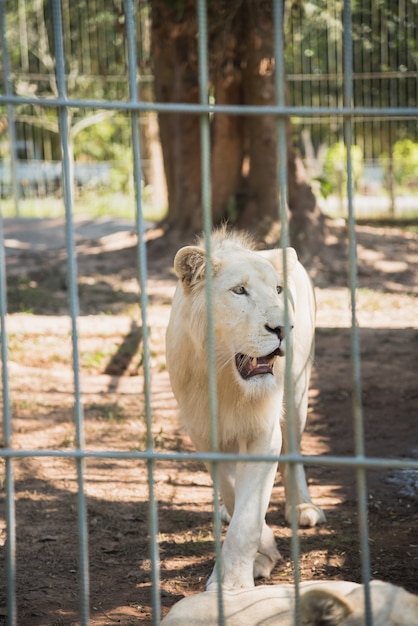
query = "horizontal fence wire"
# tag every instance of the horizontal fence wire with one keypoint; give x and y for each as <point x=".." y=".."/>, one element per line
<point x="230" y="109"/>
<point x="348" y="113"/>
<point x="145" y="455"/>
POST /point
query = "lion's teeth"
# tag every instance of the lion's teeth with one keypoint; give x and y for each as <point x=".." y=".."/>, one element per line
<point x="254" y="361"/>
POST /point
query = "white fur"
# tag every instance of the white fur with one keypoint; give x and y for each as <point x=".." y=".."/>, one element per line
<point x="250" y="411"/>
<point x="334" y="603"/>
<point x="390" y="606"/>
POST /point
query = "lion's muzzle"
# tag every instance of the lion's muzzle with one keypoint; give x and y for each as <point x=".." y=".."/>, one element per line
<point x="248" y="366"/>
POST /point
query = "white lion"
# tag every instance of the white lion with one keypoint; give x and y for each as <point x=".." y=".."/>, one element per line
<point x="250" y="345"/>
<point x="322" y="603"/>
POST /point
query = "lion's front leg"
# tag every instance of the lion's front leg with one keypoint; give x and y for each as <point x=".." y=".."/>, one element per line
<point x="249" y="549"/>
<point x="267" y="553"/>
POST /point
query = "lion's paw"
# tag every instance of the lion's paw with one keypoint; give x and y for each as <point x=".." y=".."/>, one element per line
<point x="264" y="564"/>
<point x="308" y="514"/>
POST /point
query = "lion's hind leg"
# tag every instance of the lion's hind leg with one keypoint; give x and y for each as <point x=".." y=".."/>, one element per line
<point x="308" y="514"/>
<point x="297" y="492"/>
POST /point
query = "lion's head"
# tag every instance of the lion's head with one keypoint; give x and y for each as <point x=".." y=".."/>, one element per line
<point x="391" y="606"/>
<point x="248" y="298"/>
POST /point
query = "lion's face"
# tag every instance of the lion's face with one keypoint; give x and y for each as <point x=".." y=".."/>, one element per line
<point x="391" y="606"/>
<point x="248" y="311"/>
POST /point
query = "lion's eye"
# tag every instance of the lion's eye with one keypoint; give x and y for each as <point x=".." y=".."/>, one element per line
<point x="279" y="289"/>
<point x="240" y="290"/>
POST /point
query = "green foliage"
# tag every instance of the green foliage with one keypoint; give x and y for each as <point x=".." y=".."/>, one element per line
<point x="405" y="162"/>
<point x="325" y="187"/>
<point x="98" y="142"/>
<point x="335" y="166"/>
<point x="108" y="141"/>
<point x="385" y="62"/>
<point x="96" y="67"/>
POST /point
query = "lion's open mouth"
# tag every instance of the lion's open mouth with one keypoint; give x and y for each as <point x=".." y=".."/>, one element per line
<point x="249" y="366"/>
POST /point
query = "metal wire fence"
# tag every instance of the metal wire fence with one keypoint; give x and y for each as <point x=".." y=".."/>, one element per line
<point x="134" y="107"/>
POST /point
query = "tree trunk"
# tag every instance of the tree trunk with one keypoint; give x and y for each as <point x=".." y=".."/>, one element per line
<point x="244" y="148"/>
<point x="261" y="208"/>
<point x="174" y="52"/>
<point x="227" y="152"/>
<point x="306" y="225"/>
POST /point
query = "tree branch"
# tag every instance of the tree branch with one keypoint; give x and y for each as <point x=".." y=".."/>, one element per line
<point x="101" y="116"/>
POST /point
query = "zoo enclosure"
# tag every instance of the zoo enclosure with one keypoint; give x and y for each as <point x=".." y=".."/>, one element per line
<point x="343" y="111"/>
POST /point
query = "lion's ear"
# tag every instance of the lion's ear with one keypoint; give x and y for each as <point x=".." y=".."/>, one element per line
<point x="320" y="607"/>
<point x="276" y="259"/>
<point x="190" y="265"/>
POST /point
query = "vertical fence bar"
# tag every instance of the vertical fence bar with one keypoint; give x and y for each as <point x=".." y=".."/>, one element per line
<point x="7" y="417"/>
<point x="142" y="271"/>
<point x="68" y="181"/>
<point x="284" y="242"/>
<point x="10" y="111"/>
<point x="206" y="198"/>
<point x="7" y="434"/>
<point x="355" y="342"/>
<point x="207" y="206"/>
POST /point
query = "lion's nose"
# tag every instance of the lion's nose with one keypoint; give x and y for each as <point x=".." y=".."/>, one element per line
<point x="278" y="331"/>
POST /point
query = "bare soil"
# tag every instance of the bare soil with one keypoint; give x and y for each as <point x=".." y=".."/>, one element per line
<point x="110" y="331"/>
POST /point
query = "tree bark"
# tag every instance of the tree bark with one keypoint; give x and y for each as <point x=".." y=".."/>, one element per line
<point x="174" y="52"/>
<point x="306" y="224"/>
<point x="227" y="153"/>
<point x="261" y="208"/>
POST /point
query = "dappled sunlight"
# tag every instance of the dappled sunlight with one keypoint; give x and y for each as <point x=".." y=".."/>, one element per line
<point x="387" y="280"/>
<point x="374" y="308"/>
<point x="42" y="384"/>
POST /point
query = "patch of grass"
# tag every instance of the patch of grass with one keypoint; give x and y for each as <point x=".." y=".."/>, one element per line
<point x="45" y="293"/>
<point x="91" y="203"/>
<point x="67" y="442"/>
<point x="16" y="345"/>
<point x="161" y="440"/>
<point x="110" y="412"/>
<point x="20" y="405"/>
<point x="93" y="359"/>
<point x="369" y="299"/>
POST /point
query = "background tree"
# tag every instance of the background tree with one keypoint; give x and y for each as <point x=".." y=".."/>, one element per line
<point x="385" y="64"/>
<point x="30" y="39"/>
<point x="244" y="150"/>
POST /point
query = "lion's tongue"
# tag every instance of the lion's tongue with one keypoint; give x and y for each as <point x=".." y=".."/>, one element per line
<point x="249" y="367"/>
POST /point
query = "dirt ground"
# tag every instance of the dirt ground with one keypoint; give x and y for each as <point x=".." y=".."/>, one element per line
<point x="41" y="390"/>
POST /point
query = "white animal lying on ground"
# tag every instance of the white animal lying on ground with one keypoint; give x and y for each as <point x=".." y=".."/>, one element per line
<point x="325" y="603"/>
<point x="250" y="345"/>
